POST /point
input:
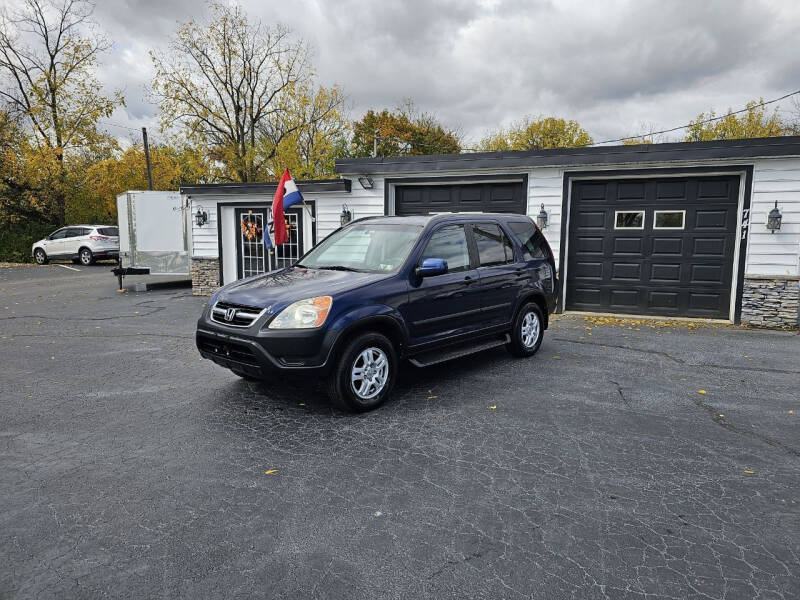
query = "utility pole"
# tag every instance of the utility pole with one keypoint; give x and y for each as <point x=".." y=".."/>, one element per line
<point x="147" y="157"/>
<point x="375" y="144"/>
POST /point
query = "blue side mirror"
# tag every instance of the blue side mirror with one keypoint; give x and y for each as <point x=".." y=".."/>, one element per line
<point x="431" y="267"/>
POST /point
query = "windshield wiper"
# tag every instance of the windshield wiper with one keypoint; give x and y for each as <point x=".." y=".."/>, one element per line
<point x="338" y="268"/>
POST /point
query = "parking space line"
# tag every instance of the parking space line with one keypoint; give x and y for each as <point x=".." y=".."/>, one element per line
<point x="70" y="268"/>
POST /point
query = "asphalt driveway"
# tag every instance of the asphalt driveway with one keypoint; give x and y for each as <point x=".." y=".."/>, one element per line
<point x="130" y="468"/>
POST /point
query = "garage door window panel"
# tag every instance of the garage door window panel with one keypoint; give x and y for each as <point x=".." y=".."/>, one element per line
<point x="629" y="219"/>
<point x="669" y="219"/>
<point x="449" y="243"/>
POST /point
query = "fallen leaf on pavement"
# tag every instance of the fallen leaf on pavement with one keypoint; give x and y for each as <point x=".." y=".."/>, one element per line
<point x="492" y="407"/>
<point x="703" y="392"/>
<point x="750" y="472"/>
<point x="270" y="472"/>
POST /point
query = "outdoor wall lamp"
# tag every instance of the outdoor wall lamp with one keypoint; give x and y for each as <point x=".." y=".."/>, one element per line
<point x="346" y="215"/>
<point x="365" y="182"/>
<point x="774" y="219"/>
<point x="200" y="217"/>
<point x="541" y="218"/>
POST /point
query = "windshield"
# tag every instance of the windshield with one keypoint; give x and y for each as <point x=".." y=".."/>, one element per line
<point x="373" y="247"/>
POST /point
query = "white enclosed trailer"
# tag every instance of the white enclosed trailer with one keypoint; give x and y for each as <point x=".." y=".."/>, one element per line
<point x="153" y="236"/>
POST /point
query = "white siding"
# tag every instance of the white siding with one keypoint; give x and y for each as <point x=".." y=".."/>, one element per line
<point x="545" y="186"/>
<point x="775" y="253"/>
<point x="204" y="239"/>
<point x="360" y="202"/>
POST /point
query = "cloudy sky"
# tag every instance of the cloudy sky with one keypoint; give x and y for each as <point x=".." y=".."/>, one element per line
<point x="616" y="66"/>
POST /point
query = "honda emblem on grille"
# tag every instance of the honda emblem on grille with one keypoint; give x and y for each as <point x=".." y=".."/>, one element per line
<point x="230" y="314"/>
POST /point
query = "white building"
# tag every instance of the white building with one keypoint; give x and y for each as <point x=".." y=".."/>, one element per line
<point x="664" y="229"/>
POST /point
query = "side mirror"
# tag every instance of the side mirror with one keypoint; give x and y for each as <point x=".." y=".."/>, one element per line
<point x="431" y="267"/>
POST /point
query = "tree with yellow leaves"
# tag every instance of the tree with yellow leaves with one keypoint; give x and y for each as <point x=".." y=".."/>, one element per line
<point x="241" y="89"/>
<point x="48" y="62"/>
<point x="754" y="122"/>
<point x="538" y="133"/>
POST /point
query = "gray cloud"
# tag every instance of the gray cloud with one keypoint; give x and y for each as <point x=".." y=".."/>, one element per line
<point x="610" y="65"/>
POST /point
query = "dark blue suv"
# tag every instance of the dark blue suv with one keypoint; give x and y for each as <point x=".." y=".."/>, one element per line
<point x="382" y="289"/>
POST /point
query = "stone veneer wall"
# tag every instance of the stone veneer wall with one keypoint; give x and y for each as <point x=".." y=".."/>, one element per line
<point x="205" y="276"/>
<point x="769" y="301"/>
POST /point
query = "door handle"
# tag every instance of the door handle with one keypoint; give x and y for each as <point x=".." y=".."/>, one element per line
<point x="468" y="280"/>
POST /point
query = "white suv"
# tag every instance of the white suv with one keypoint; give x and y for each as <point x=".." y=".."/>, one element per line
<point x="81" y="243"/>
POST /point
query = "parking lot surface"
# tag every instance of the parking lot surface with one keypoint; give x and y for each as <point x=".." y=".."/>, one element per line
<point x="130" y="468"/>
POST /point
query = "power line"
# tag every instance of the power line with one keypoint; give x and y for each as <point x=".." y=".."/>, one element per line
<point x="703" y="122"/>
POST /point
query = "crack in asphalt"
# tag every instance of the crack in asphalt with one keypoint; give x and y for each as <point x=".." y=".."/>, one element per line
<point x="621" y="393"/>
<point x="112" y="318"/>
<point x="679" y="360"/>
<point x="720" y="420"/>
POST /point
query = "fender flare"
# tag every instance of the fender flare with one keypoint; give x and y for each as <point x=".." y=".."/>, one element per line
<point x="539" y="298"/>
<point x="381" y="318"/>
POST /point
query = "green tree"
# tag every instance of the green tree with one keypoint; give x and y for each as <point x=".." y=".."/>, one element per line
<point x="49" y="63"/>
<point x="755" y="122"/>
<point x="538" y="133"/>
<point x="233" y="85"/>
<point x="403" y="131"/>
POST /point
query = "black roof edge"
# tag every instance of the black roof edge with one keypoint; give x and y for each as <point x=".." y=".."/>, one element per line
<point x="309" y="186"/>
<point x="565" y="157"/>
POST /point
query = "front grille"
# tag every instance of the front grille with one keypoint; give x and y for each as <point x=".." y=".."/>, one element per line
<point x="235" y="315"/>
<point x="240" y="353"/>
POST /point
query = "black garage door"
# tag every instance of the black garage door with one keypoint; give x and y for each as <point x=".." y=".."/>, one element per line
<point x="652" y="246"/>
<point x="473" y="197"/>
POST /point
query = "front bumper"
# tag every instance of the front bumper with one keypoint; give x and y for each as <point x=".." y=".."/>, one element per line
<point x="259" y="353"/>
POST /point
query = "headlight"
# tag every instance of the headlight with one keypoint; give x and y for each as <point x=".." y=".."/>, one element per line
<point x="303" y="314"/>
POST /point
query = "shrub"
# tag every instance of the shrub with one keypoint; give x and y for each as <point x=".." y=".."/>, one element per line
<point x="16" y="240"/>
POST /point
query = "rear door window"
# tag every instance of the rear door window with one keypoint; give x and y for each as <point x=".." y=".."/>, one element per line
<point x="449" y="243"/>
<point x="74" y="232"/>
<point x="494" y="248"/>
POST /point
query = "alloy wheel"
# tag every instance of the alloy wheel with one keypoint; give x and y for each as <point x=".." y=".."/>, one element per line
<point x="369" y="373"/>
<point x="530" y="329"/>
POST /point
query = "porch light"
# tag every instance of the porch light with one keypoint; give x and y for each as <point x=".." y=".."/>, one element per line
<point x="541" y="218"/>
<point x="200" y="217"/>
<point x="774" y="219"/>
<point x="346" y="215"/>
<point x="365" y="182"/>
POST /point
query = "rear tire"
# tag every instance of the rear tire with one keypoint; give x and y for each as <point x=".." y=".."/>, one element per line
<point x="86" y="257"/>
<point x="365" y="373"/>
<point x="527" y="332"/>
<point x="40" y="257"/>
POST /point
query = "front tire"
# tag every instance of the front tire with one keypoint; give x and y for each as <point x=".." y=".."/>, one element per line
<point x="527" y="332"/>
<point x="40" y="257"/>
<point x="365" y="373"/>
<point x="86" y="257"/>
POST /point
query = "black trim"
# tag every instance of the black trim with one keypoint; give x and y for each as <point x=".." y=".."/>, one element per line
<point x="576" y="157"/>
<point x="464" y="313"/>
<point x="677" y="171"/>
<point x="306" y="187"/>
<point x="466" y="179"/>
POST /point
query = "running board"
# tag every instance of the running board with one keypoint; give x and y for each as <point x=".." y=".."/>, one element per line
<point x="433" y="357"/>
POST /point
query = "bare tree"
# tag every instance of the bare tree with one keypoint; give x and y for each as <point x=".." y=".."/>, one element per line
<point x="231" y="80"/>
<point x="47" y="55"/>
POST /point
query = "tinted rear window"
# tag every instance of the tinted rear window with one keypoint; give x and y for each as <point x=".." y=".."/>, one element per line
<point x="113" y="231"/>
